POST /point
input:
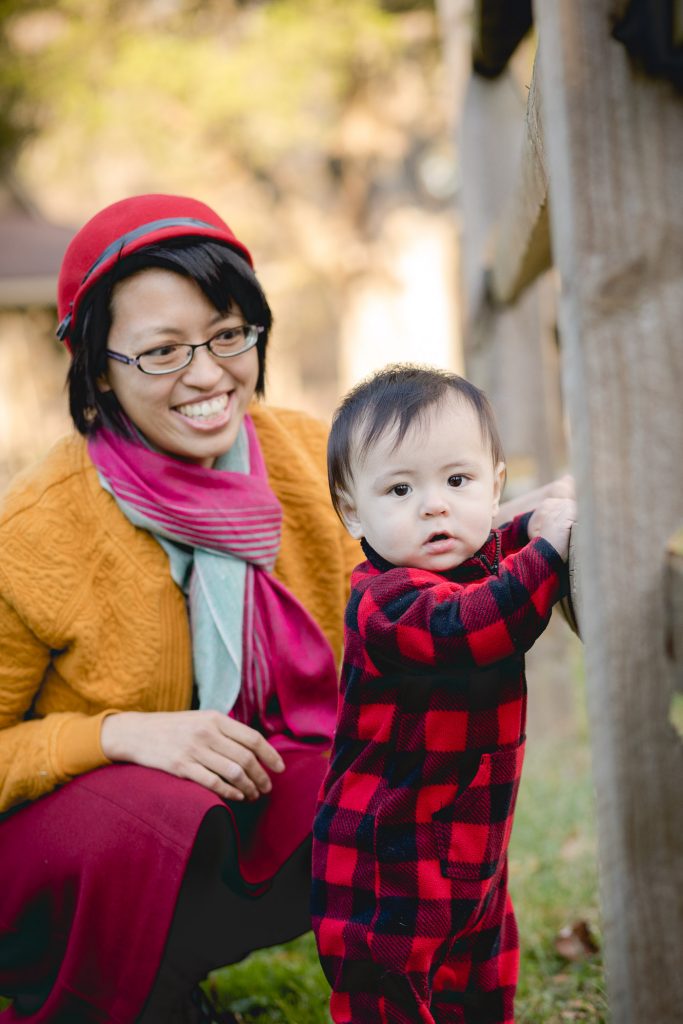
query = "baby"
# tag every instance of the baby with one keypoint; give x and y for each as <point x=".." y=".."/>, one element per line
<point x="410" y="903"/>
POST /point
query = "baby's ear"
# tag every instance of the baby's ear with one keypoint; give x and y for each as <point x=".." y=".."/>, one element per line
<point x="349" y="514"/>
<point x="498" y="484"/>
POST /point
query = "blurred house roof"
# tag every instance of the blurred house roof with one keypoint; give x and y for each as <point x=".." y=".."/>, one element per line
<point x="31" y="251"/>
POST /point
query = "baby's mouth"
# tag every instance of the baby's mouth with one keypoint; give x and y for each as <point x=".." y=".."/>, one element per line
<point x="437" y="537"/>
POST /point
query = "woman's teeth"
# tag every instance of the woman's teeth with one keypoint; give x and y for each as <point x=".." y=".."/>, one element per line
<point x="200" y="410"/>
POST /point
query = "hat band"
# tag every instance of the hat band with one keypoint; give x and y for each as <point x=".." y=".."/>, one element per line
<point x="131" y="236"/>
<point x="146" y="229"/>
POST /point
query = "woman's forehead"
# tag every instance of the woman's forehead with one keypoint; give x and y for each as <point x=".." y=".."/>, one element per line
<point x="157" y="292"/>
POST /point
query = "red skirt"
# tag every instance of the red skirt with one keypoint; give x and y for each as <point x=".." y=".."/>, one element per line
<point x="91" y="875"/>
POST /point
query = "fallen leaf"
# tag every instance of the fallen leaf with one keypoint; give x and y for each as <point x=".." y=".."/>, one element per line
<point x="576" y="846"/>
<point x="576" y="941"/>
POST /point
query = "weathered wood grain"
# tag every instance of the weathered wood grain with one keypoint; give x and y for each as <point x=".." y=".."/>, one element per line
<point x="522" y="250"/>
<point x="511" y="352"/>
<point x="614" y="151"/>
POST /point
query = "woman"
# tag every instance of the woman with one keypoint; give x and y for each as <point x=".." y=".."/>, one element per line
<point x="171" y="598"/>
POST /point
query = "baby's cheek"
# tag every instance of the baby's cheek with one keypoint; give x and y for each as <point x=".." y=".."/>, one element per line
<point x="393" y="533"/>
<point x="390" y="539"/>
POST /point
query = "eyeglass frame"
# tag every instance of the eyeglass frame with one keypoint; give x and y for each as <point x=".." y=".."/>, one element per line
<point x="257" y="330"/>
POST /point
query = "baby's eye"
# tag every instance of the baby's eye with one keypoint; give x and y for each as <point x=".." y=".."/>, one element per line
<point x="400" y="490"/>
<point x="456" y="480"/>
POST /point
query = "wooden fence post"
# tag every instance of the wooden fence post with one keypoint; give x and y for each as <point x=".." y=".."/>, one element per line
<point x="510" y="350"/>
<point x="614" y="150"/>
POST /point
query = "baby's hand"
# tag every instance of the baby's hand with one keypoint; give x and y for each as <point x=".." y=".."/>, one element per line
<point x="563" y="487"/>
<point x="553" y="520"/>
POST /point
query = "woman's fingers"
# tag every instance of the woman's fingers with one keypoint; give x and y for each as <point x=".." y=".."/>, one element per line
<point x="235" y="753"/>
<point x="251" y="740"/>
<point x="205" y="746"/>
<point x="229" y="768"/>
<point x="215" y="783"/>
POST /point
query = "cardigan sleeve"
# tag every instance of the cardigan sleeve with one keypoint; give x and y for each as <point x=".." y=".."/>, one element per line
<point x="36" y="754"/>
<point x="411" y="617"/>
<point x="48" y="732"/>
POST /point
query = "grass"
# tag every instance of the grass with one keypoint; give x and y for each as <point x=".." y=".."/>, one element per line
<point x="283" y="985"/>
<point x="553" y="882"/>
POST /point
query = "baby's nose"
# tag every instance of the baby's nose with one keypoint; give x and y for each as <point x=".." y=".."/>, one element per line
<point x="434" y="505"/>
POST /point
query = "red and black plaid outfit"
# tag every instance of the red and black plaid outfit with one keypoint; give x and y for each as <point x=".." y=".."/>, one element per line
<point x="410" y="904"/>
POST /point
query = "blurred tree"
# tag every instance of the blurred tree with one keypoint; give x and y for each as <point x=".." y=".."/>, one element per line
<point x="306" y="121"/>
<point x="175" y="70"/>
<point x="289" y="91"/>
<point x="16" y="114"/>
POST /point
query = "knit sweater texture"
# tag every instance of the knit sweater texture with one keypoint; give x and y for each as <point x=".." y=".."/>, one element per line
<point x="91" y="621"/>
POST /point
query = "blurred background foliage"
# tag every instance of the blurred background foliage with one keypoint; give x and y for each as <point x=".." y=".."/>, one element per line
<point x="262" y="80"/>
<point x="173" y="92"/>
<point x="307" y="123"/>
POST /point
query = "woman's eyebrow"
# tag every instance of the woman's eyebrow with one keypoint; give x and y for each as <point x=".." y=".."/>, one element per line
<point x="163" y="329"/>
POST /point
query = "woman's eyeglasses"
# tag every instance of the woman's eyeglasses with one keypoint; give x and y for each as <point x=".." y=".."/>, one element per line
<point x="169" y="358"/>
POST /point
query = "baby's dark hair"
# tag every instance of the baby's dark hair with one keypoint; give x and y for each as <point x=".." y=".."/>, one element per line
<point x="396" y="396"/>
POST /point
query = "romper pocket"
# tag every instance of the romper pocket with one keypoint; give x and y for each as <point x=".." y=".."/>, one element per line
<point x="473" y="832"/>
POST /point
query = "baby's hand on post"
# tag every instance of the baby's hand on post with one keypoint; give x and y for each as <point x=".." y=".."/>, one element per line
<point x="553" y="520"/>
<point x="563" y="487"/>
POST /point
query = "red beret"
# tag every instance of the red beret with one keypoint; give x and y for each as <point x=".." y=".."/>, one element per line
<point x="124" y="227"/>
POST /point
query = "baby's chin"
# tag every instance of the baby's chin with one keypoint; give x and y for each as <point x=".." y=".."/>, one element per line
<point x="438" y="564"/>
<point x="432" y="563"/>
<point x="423" y="558"/>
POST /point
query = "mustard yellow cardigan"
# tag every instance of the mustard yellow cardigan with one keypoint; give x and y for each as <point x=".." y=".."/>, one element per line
<point x="90" y="619"/>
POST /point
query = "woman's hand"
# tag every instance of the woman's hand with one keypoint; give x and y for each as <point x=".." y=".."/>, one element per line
<point x="553" y="520"/>
<point x="226" y="756"/>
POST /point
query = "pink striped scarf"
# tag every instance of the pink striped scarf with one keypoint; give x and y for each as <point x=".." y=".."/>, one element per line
<point x="256" y="650"/>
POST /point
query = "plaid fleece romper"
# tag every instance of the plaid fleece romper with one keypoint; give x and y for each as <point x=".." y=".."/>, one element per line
<point x="410" y="905"/>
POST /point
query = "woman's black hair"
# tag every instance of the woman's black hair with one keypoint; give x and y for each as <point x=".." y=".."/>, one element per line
<point x="223" y="276"/>
<point x="396" y="396"/>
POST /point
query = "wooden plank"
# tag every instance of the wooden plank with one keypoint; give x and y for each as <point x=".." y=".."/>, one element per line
<point x="511" y="352"/>
<point x="522" y="247"/>
<point x="614" y="150"/>
<point x="570" y="606"/>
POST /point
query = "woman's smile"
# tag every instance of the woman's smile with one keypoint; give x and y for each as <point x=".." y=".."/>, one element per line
<point x="207" y="413"/>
